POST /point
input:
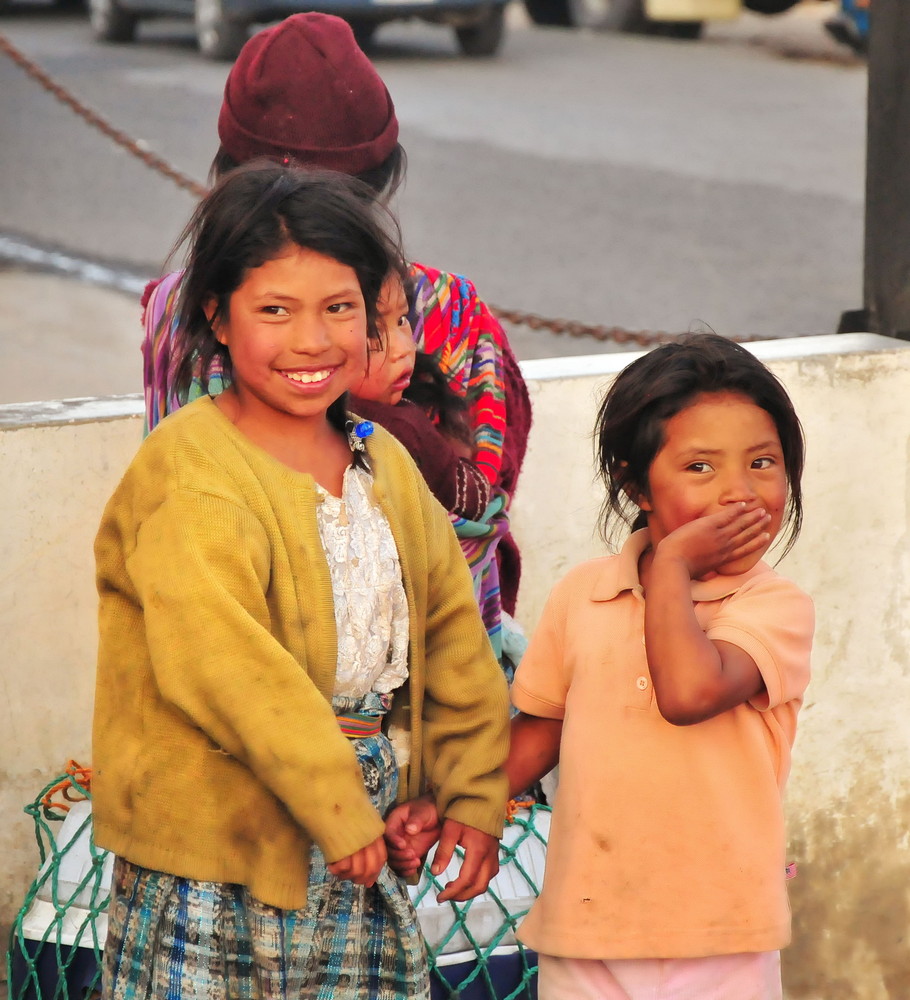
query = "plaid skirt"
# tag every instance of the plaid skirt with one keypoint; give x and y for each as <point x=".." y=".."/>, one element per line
<point x="173" y="938"/>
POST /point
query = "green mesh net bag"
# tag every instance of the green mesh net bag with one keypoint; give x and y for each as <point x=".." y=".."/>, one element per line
<point x="472" y="948"/>
<point x="58" y="935"/>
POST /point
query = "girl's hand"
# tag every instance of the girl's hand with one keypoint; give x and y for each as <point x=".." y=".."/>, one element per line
<point x="708" y="543"/>
<point x="363" y="866"/>
<point x="411" y="829"/>
<point x="480" y="864"/>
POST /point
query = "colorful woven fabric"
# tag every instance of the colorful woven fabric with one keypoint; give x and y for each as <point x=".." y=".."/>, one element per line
<point x="452" y="323"/>
<point x="479" y="541"/>
<point x="171" y="938"/>
<point x="357" y="725"/>
<point x="161" y="351"/>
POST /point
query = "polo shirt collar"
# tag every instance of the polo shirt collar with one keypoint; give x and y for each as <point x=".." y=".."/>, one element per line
<point x="621" y="573"/>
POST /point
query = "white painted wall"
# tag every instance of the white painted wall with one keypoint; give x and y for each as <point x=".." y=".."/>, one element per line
<point x="849" y="800"/>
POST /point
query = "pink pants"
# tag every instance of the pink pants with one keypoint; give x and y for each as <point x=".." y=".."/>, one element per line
<point x="749" y="976"/>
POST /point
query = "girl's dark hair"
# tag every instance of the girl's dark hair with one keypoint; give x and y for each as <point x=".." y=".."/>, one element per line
<point x="430" y="389"/>
<point x="383" y="180"/>
<point x="647" y="393"/>
<point x="253" y="215"/>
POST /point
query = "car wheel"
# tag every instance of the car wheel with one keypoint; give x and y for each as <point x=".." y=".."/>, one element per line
<point x="770" y="6"/>
<point x="216" y="36"/>
<point x="611" y="15"/>
<point x="551" y="13"/>
<point x="680" y="29"/>
<point x="364" y="31"/>
<point x="110" y="22"/>
<point x="483" y="37"/>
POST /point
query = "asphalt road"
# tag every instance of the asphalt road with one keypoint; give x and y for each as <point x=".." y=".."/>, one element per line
<point x="644" y="183"/>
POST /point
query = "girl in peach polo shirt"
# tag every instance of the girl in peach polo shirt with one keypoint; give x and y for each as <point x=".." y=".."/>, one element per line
<point x="665" y="681"/>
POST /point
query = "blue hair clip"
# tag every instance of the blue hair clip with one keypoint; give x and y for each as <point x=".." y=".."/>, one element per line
<point x="357" y="432"/>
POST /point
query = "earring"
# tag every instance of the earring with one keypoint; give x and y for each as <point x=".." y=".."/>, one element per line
<point x="357" y="433"/>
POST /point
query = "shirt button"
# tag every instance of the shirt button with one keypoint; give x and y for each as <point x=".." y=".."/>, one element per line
<point x="642" y="683"/>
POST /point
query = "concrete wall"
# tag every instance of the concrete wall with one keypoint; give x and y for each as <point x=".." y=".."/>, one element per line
<point x="848" y="801"/>
<point x="59" y="462"/>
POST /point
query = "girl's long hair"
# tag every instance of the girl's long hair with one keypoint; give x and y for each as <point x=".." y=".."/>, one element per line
<point x="630" y="423"/>
<point x="431" y="390"/>
<point x="254" y="214"/>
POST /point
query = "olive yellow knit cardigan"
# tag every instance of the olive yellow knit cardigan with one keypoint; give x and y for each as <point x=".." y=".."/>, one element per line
<point x="216" y="752"/>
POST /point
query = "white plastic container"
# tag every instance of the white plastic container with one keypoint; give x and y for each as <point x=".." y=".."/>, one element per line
<point x="510" y="891"/>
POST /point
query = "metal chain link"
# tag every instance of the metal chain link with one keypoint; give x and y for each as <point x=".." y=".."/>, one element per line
<point x="156" y="163"/>
<point x="615" y="334"/>
<point x="515" y="317"/>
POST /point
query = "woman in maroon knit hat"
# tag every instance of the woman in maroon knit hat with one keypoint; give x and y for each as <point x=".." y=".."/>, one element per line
<point x="303" y="92"/>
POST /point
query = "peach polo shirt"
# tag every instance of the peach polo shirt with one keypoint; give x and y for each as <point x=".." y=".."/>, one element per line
<point x="667" y="841"/>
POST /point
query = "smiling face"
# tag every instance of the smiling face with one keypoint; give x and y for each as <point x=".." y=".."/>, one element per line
<point x="392" y="366"/>
<point x="296" y="331"/>
<point x="719" y="450"/>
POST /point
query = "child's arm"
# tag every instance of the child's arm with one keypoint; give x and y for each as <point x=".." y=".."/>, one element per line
<point x="695" y="678"/>
<point x="533" y="751"/>
<point x="465" y="707"/>
<point x="413" y="828"/>
<point x="249" y="694"/>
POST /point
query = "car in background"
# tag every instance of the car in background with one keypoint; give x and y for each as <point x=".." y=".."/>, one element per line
<point x="222" y="26"/>
<point x="674" y="18"/>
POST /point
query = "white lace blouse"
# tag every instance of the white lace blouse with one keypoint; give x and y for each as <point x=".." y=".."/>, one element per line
<point x="371" y="609"/>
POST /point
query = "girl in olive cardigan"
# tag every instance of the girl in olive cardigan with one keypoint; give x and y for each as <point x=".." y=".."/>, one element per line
<point x="289" y="640"/>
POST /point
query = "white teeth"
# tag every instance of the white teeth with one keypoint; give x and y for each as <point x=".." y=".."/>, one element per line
<point x="307" y="377"/>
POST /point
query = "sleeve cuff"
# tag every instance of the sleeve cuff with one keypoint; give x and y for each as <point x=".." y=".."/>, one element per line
<point x="480" y="815"/>
<point x="531" y="704"/>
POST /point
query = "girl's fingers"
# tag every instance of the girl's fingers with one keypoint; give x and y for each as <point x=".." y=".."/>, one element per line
<point x="447" y="842"/>
<point x="375" y="860"/>
<point x="758" y="542"/>
<point x="748" y="534"/>
<point x="749" y="525"/>
<point x="746" y="518"/>
<point x="363" y="866"/>
<point x="473" y="878"/>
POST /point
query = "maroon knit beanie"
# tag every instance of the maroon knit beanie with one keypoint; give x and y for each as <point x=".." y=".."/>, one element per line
<point x="305" y="91"/>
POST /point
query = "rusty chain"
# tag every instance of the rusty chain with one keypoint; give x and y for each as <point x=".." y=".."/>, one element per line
<point x="96" y="121"/>
<point x="514" y="317"/>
